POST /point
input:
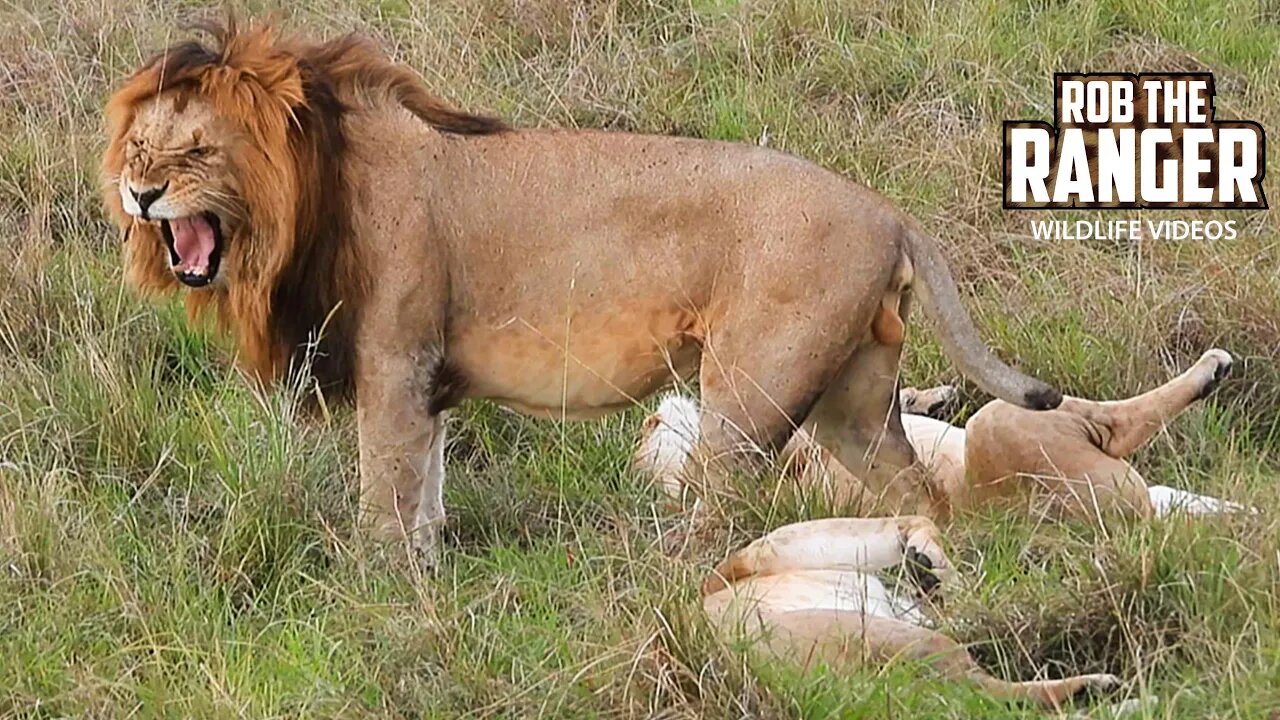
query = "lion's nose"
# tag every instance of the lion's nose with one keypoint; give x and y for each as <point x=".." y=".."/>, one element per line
<point x="146" y="197"/>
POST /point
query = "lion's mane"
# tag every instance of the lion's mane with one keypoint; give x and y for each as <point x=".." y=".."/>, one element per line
<point x="297" y="269"/>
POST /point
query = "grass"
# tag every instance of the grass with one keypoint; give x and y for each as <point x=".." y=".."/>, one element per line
<point x="174" y="545"/>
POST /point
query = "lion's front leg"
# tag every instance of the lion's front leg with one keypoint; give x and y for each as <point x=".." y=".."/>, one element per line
<point x="401" y="453"/>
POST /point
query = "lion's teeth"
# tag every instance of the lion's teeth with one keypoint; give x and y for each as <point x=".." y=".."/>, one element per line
<point x="184" y="269"/>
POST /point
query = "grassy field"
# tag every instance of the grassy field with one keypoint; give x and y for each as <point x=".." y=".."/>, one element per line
<point x="173" y="545"/>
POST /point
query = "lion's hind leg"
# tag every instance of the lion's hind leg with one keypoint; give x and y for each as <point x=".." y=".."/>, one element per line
<point x="669" y="435"/>
<point x="755" y="393"/>
<point x="858" y="420"/>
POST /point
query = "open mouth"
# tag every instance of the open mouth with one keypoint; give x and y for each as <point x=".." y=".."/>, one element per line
<point x="195" y="247"/>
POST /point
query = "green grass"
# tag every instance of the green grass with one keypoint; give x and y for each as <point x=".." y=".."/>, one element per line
<point x="173" y="544"/>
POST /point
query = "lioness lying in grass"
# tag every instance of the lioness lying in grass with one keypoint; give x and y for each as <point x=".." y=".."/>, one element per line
<point x="1066" y="461"/>
<point x="808" y="591"/>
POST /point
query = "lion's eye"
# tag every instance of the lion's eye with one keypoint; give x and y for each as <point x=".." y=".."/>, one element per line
<point x="199" y="151"/>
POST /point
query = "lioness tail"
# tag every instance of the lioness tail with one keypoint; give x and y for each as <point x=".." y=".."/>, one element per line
<point x="960" y="340"/>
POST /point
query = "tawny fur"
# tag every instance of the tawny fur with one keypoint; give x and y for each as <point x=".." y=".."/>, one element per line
<point x="296" y="269"/>
<point x="1064" y="461"/>
<point x="420" y="255"/>
<point x="808" y="593"/>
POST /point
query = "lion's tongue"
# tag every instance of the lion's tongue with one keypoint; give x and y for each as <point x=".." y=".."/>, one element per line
<point x="193" y="242"/>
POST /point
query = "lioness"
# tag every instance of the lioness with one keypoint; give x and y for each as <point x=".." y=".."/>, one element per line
<point x="808" y="592"/>
<point x="315" y="195"/>
<point x="1067" y="461"/>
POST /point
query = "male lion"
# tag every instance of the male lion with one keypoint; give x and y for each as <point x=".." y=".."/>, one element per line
<point x="296" y="187"/>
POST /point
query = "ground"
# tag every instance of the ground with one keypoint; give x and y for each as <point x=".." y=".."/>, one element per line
<point x="172" y="544"/>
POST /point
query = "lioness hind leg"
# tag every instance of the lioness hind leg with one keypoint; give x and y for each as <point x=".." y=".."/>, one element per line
<point x="1050" y="458"/>
<point x="667" y="440"/>
<point x="848" y="640"/>
<point x="1093" y="485"/>
<point x="930" y="402"/>
<point x="1129" y="424"/>
<point x="866" y="544"/>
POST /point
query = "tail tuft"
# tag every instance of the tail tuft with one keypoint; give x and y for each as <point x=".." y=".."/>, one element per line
<point x="1042" y="398"/>
<point x="959" y="338"/>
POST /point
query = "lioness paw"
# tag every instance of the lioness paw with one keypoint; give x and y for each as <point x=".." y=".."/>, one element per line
<point x="1217" y="364"/>
<point x="930" y="402"/>
<point x="1096" y="686"/>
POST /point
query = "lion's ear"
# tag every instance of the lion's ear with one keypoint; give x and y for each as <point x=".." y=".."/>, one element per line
<point x="282" y="81"/>
<point x="255" y="54"/>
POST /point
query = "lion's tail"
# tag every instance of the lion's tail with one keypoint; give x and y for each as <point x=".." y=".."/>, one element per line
<point x="960" y="340"/>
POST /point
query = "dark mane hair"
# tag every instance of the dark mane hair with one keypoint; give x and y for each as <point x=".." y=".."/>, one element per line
<point x="297" y="273"/>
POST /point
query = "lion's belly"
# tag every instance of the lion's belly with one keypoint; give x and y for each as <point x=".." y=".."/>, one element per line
<point x="589" y="366"/>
